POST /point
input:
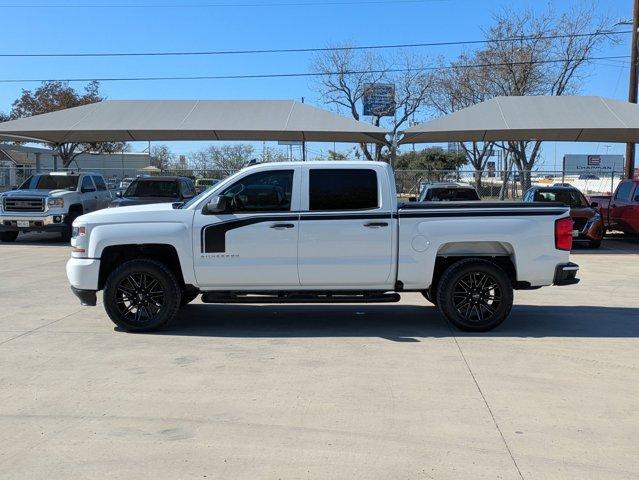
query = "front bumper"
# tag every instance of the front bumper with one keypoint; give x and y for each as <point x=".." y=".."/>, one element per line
<point x="41" y="223"/>
<point x="88" y="298"/>
<point x="83" y="273"/>
<point x="566" y="274"/>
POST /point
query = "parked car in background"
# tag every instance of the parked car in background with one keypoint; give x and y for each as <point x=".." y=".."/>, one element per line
<point x="145" y="190"/>
<point x="49" y="202"/>
<point x="621" y="210"/>
<point x="448" y="192"/>
<point x="588" y="224"/>
<point x="202" y="184"/>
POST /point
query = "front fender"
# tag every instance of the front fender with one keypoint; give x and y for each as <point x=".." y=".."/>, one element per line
<point x="176" y="234"/>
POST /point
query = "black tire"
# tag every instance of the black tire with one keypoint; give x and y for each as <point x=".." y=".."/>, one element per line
<point x="129" y="297"/>
<point x="8" y="236"/>
<point x="428" y="295"/>
<point x="68" y="231"/>
<point x="475" y="295"/>
<point x="594" y="243"/>
<point x="188" y="296"/>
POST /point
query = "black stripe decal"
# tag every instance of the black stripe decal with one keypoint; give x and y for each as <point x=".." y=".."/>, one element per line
<point x="213" y="238"/>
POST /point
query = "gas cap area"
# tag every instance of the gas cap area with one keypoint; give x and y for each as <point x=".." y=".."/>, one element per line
<point x="420" y="244"/>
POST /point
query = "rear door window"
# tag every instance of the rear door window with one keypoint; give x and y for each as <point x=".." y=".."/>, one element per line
<point x="343" y="189"/>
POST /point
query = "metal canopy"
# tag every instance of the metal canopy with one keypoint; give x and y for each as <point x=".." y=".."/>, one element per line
<point x="569" y="118"/>
<point x="169" y="120"/>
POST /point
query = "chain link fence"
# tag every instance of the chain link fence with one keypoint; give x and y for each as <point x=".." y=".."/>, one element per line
<point x="490" y="185"/>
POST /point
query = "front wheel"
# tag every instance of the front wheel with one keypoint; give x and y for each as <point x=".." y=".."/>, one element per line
<point x="141" y="295"/>
<point x="475" y="295"/>
<point x="594" y="243"/>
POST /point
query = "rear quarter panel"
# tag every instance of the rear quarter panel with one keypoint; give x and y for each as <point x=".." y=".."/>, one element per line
<point x="528" y="239"/>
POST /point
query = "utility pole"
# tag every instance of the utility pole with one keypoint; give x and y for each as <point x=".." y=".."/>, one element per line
<point x="632" y="91"/>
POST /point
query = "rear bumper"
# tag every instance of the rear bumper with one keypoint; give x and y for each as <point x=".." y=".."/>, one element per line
<point x="88" y="298"/>
<point x="566" y="274"/>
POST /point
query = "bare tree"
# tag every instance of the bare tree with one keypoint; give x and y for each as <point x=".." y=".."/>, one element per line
<point x="222" y="160"/>
<point x="162" y="157"/>
<point x="526" y="53"/>
<point x="454" y="87"/>
<point x="344" y="74"/>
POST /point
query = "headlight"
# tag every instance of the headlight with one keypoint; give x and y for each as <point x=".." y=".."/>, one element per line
<point x="78" y="232"/>
<point x="55" y="202"/>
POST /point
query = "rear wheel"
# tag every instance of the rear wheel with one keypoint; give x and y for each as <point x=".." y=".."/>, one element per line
<point x="141" y="295"/>
<point x="8" y="236"/>
<point x="475" y="295"/>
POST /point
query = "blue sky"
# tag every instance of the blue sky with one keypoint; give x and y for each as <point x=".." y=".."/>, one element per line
<point x="42" y="29"/>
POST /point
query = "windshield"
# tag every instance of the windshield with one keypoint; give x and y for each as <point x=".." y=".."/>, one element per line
<point x="154" y="188"/>
<point x="50" y="182"/>
<point x="569" y="196"/>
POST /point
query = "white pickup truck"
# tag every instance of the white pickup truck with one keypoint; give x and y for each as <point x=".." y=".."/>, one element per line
<point x="319" y="232"/>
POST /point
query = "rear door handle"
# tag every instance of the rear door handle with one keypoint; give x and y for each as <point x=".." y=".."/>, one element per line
<point x="282" y="226"/>
<point x="376" y="224"/>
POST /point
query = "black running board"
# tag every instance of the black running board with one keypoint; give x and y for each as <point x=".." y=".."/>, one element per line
<point x="299" y="297"/>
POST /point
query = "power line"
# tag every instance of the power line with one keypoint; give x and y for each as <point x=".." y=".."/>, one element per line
<point x="300" y="74"/>
<point x="310" y="50"/>
<point x="316" y="3"/>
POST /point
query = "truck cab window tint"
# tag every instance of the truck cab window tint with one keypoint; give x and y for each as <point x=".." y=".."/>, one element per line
<point x="87" y="185"/>
<point x="624" y="191"/>
<point x="268" y="191"/>
<point x="342" y="189"/>
<point x="99" y="183"/>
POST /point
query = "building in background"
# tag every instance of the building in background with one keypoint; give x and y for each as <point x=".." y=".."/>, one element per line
<point x="17" y="162"/>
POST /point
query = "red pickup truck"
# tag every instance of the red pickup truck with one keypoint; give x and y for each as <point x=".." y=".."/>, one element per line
<point x="621" y="211"/>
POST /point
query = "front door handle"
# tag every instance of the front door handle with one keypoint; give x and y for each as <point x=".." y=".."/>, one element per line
<point x="376" y="224"/>
<point x="282" y="226"/>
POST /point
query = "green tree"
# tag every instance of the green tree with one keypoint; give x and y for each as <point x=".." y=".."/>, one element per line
<point x="430" y="164"/>
<point x="52" y="96"/>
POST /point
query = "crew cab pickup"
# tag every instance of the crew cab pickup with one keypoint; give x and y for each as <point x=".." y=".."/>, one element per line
<point x="621" y="211"/>
<point x="50" y="202"/>
<point x="320" y="232"/>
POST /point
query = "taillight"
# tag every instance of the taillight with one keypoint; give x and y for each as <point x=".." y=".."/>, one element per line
<point x="563" y="234"/>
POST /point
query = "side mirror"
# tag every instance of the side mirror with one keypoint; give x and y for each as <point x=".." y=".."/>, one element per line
<point x="118" y="194"/>
<point x="87" y="190"/>
<point x="15" y="187"/>
<point x="216" y="204"/>
<point x="594" y="204"/>
<point x="412" y="199"/>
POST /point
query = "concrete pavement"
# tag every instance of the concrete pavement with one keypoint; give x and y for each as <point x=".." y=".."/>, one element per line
<point x="335" y="391"/>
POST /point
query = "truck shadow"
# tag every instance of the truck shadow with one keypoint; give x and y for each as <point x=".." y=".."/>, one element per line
<point x="401" y="323"/>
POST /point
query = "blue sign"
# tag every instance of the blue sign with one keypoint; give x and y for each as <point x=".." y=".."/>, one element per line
<point x="379" y="99"/>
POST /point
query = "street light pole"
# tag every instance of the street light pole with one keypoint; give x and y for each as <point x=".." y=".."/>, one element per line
<point x="632" y="91"/>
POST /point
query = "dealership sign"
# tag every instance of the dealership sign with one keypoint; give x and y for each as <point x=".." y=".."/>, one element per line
<point x="577" y="164"/>
<point x="379" y="99"/>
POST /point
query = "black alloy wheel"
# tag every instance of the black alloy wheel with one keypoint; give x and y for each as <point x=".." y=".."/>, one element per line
<point x="475" y="295"/>
<point x="141" y="295"/>
<point x="139" y="298"/>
